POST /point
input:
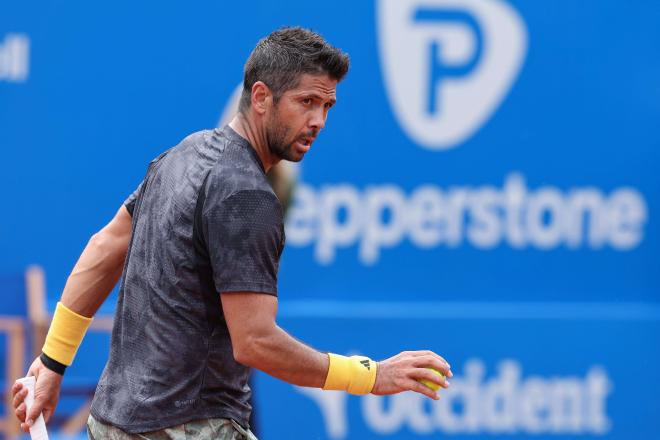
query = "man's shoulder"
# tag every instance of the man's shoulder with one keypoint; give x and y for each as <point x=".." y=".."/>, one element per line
<point x="192" y="141"/>
<point x="184" y="151"/>
<point x="236" y="171"/>
<point x="227" y="179"/>
<point x="198" y="137"/>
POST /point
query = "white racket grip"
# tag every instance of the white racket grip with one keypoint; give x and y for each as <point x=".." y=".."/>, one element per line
<point x="38" y="429"/>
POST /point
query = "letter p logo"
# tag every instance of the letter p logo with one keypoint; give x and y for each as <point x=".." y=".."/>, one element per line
<point x="439" y="69"/>
<point x="448" y="64"/>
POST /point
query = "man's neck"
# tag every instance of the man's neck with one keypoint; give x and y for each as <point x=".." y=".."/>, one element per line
<point x="256" y="136"/>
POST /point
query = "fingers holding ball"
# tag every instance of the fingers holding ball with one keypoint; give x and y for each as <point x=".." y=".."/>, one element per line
<point x="435" y="386"/>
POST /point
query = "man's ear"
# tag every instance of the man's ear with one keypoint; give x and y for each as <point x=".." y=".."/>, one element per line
<point x="262" y="97"/>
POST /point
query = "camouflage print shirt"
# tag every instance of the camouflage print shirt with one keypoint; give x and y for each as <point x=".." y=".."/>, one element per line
<point x="205" y="222"/>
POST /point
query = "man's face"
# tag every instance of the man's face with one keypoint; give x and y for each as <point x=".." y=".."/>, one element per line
<point x="299" y="115"/>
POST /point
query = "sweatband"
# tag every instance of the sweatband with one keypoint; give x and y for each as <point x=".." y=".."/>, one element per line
<point x="65" y="334"/>
<point x="355" y="374"/>
<point x="52" y="364"/>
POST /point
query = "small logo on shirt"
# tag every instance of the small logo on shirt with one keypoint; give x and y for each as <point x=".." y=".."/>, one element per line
<point x="180" y="403"/>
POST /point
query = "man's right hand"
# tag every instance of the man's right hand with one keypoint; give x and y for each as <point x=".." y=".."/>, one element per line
<point x="404" y="371"/>
<point x="46" y="395"/>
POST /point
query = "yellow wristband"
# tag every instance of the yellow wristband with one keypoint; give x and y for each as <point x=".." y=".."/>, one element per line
<point x="355" y="374"/>
<point x="65" y="334"/>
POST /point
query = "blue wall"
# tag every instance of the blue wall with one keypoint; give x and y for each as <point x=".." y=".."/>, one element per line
<point x="486" y="187"/>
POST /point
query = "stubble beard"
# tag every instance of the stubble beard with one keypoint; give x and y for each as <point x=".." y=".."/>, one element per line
<point x="279" y="144"/>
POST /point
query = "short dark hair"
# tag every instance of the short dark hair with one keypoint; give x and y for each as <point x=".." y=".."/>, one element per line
<point x="279" y="59"/>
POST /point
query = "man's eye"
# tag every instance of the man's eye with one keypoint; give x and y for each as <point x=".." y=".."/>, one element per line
<point x="307" y="101"/>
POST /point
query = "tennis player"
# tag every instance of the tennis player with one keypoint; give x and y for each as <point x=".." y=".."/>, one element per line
<point x="198" y="244"/>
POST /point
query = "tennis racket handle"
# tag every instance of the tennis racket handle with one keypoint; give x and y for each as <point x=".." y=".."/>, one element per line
<point x="38" y="429"/>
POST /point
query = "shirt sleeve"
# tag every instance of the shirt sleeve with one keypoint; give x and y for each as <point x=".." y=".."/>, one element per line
<point x="129" y="203"/>
<point x="244" y="237"/>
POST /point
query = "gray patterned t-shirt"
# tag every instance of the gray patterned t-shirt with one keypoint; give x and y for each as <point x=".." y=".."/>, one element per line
<point x="205" y="222"/>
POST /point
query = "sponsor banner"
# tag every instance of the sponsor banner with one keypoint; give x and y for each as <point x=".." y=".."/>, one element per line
<point x="467" y="178"/>
<point x="490" y="145"/>
<point x="553" y="376"/>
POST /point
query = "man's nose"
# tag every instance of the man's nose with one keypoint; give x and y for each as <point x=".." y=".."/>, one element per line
<point x="317" y="121"/>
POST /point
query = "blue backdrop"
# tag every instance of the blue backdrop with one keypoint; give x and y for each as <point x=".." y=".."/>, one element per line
<point x="486" y="187"/>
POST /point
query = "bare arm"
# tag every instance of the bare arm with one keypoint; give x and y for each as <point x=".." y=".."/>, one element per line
<point x="99" y="267"/>
<point x="259" y="343"/>
<point x="91" y="281"/>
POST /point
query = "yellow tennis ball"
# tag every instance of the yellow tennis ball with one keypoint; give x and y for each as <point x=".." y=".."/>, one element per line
<point x="434" y="386"/>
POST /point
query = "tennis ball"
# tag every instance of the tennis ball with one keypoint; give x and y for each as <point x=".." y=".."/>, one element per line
<point x="434" y="386"/>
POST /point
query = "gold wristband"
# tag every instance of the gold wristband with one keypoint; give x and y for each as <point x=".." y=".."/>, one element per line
<point x="355" y="374"/>
<point x="65" y="334"/>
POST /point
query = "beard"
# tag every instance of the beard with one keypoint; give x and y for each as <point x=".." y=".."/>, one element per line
<point x="281" y="141"/>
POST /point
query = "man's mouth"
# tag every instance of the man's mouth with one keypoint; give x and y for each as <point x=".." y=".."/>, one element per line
<point x="306" y="142"/>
